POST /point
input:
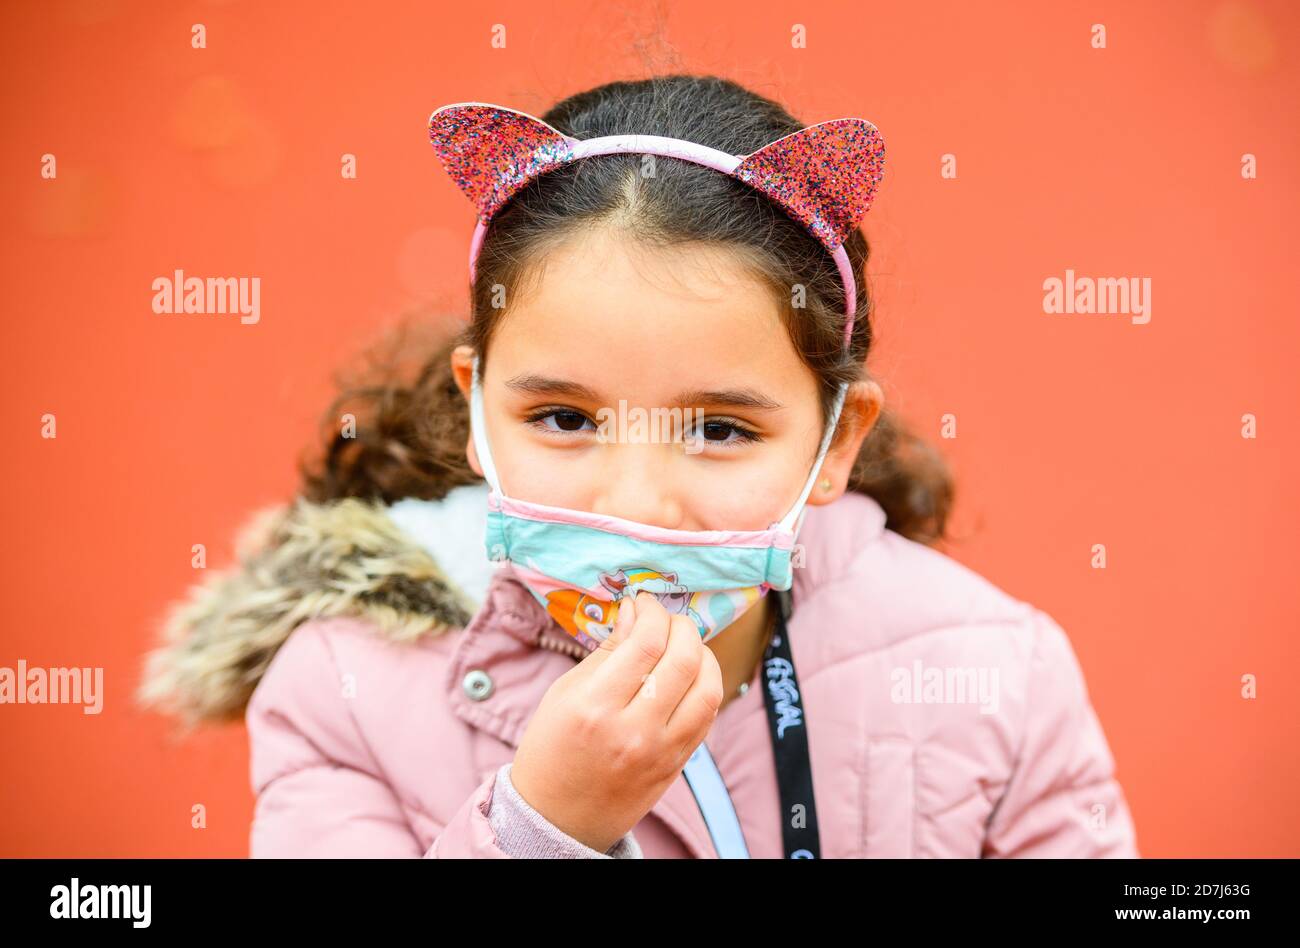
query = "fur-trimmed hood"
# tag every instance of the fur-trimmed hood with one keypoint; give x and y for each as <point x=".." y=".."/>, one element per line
<point x="414" y="568"/>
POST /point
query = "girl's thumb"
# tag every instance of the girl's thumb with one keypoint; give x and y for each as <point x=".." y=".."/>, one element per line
<point x="624" y="621"/>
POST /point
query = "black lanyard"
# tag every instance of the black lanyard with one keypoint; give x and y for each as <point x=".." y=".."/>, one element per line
<point x="788" y="725"/>
<point x="789" y="729"/>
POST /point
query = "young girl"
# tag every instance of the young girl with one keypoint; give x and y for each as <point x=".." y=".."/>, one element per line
<point x="733" y="641"/>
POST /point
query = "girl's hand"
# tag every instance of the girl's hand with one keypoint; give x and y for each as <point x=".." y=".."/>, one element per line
<point x="612" y="734"/>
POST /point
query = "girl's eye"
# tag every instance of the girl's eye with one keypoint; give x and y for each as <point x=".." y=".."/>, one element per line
<point x="559" y="420"/>
<point x="720" y="432"/>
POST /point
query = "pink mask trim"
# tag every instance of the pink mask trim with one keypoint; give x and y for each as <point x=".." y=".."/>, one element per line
<point x="758" y="539"/>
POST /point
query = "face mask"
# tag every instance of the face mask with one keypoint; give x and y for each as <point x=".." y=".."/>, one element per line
<point x="579" y="565"/>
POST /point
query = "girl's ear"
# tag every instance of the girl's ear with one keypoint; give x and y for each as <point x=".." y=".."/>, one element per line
<point x="462" y="370"/>
<point x="862" y="404"/>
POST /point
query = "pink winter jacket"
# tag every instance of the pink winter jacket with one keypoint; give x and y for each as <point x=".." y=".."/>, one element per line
<point x="945" y="718"/>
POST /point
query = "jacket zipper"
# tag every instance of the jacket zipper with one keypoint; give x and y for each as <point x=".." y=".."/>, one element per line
<point x="572" y="649"/>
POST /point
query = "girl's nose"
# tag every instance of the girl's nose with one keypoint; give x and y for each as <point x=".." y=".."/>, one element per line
<point x="637" y="484"/>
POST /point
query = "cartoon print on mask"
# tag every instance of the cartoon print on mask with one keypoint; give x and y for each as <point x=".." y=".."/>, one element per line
<point x="586" y="618"/>
<point x="591" y="619"/>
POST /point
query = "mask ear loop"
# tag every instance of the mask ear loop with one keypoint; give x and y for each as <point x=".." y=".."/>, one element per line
<point x="788" y="522"/>
<point x="478" y="429"/>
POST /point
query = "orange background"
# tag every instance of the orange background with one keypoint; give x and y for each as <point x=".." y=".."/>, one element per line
<point x="1072" y="430"/>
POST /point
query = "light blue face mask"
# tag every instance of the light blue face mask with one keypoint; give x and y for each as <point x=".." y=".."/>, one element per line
<point x="580" y="564"/>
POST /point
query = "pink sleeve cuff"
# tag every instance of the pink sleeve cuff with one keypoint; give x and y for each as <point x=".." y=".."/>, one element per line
<point x="524" y="833"/>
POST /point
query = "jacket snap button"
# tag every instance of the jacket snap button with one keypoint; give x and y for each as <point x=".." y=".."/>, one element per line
<point x="477" y="684"/>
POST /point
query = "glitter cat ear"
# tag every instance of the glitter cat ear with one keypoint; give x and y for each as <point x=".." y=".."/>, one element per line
<point x="824" y="176"/>
<point x="491" y="152"/>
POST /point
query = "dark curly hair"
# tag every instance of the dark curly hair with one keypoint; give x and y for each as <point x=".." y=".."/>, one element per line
<point x="411" y="420"/>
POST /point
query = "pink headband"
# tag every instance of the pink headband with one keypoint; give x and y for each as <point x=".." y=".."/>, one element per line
<point x="824" y="176"/>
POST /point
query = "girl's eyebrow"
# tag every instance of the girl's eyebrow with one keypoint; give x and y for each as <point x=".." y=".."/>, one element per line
<point x="544" y="385"/>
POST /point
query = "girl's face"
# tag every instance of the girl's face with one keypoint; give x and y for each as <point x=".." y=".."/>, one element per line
<point x="609" y="320"/>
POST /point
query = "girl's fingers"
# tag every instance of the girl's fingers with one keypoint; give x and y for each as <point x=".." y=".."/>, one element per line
<point x="674" y="673"/>
<point x="694" y="714"/>
<point x="624" y="620"/>
<point x="625" y="664"/>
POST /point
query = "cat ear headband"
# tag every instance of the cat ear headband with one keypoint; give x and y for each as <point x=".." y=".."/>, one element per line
<point x="824" y="176"/>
